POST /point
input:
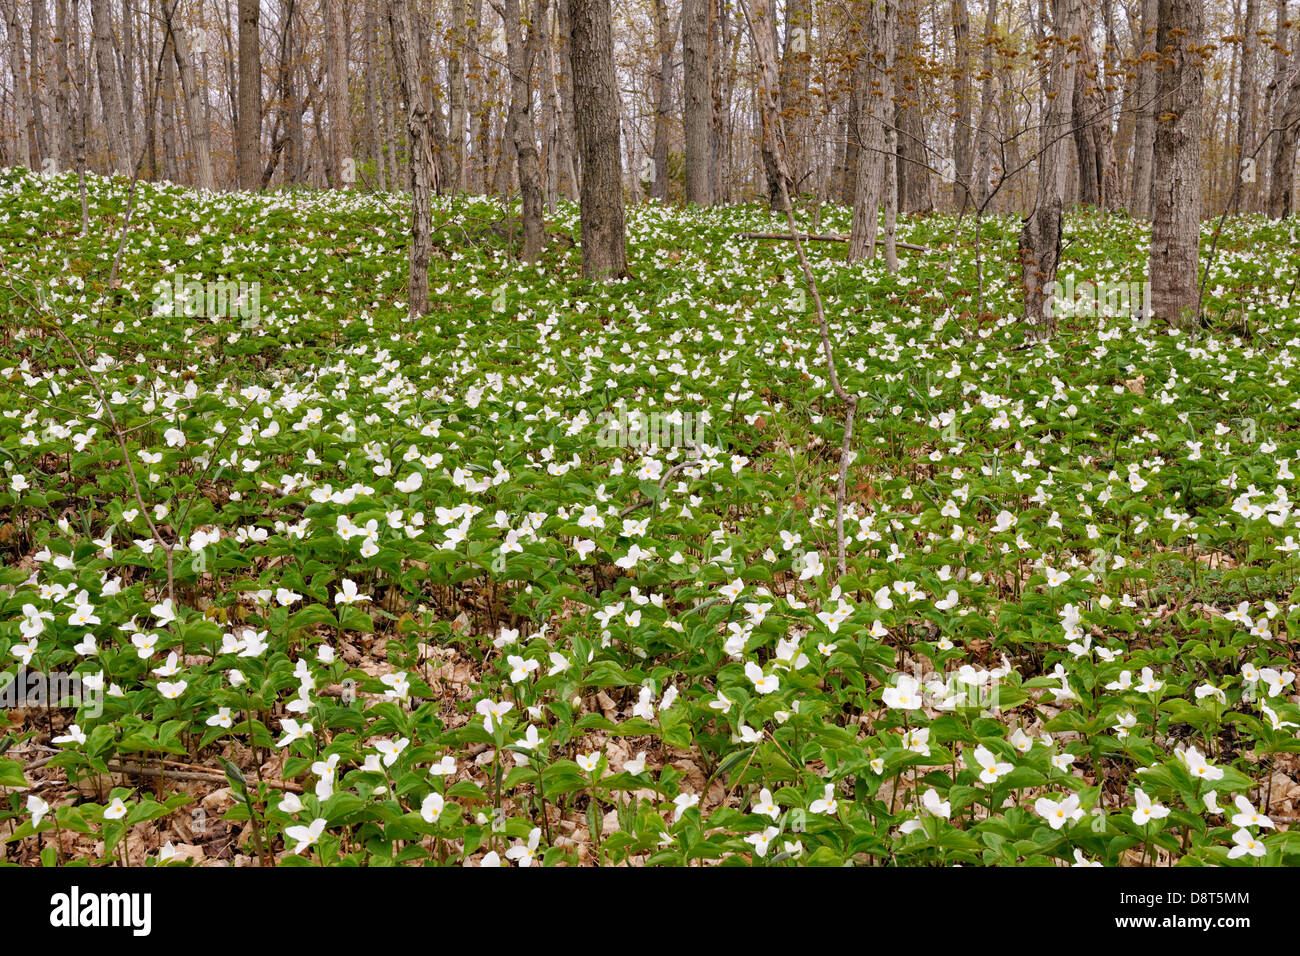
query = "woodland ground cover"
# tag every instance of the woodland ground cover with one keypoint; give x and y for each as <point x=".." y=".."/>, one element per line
<point x="337" y="587"/>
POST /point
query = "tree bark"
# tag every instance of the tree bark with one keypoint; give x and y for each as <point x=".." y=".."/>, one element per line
<point x="773" y="148"/>
<point x="664" y="43"/>
<point x="26" y="131"/>
<point x="406" y="59"/>
<point x="336" y="87"/>
<point x="874" y="115"/>
<point x="248" y="149"/>
<point x="1040" y="237"/>
<point x="1144" y="132"/>
<point x="1282" y="177"/>
<point x="985" y="132"/>
<point x="523" y="136"/>
<point x="1176" y="214"/>
<point x="456" y="95"/>
<point x="110" y="91"/>
<point x="1247" y="174"/>
<point x="914" y="194"/>
<point x="796" y="60"/>
<point x="595" y="100"/>
<point x="697" y="101"/>
<point x="1092" y="130"/>
<point x="63" y="112"/>
<point x="205" y="178"/>
<point x="962" y="107"/>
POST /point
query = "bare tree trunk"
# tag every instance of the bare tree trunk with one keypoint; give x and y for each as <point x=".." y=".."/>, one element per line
<point x="1040" y="238"/>
<point x="171" y="136"/>
<point x="406" y="58"/>
<point x="1176" y="216"/>
<point x="64" y="119"/>
<point x="875" y="114"/>
<point x="985" y="132"/>
<point x="571" y="173"/>
<point x="962" y="106"/>
<point x="1144" y="132"/>
<point x="890" y="155"/>
<point x="664" y="43"/>
<point x="393" y="141"/>
<point x="128" y="77"/>
<point x="1275" y="96"/>
<point x="442" y="169"/>
<point x="373" y="108"/>
<point x="1092" y="132"/>
<point x="697" y="101"/>
<point x="1247" y="174"/>
<point x="197" y="120"/>
<point x="913" y="158"/>
<point x="768" y="86"/>
<point x="1282" y="177"/>
<point x="26" y="131"/>
<point x="595" y="98"/>
<point x="476" y="101"/>
<point x="771" y="147"/>
<point x="456" y="95"/>
<point x="720" y="93"/>
<point x="82" y="117"/>
<point x="796" y="61"/>
<point x="851" y="126"/>
<point x="336" y="86"/>
<point x="249" y="137"/>
<point x="520" y="125"/>
<point x="37" y="83"/>
<point x="110" y="92"/>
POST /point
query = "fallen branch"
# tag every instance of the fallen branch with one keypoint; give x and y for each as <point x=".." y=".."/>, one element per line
<point x="819" y="237"/>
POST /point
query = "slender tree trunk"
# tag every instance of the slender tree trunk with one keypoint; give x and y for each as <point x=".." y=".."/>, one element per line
<point x="205" y="178"/>
<point x="664" y="43"/>
<point x="875" y="119"/>
<point x="110" y="92"/>
<point x="985" y="131"/>
<point x="1040" y="238"/>
<point x="406" y="58"/>
<point x="1144" y="132"/>
<point x="522" y="134"/>
<point x="37" y="84"/>
<point x="128" y="77"/>
<point x="63" y="111"/>
<point x="913" y="158"/>
<point x="962" y="105"/>
<point x="1247" y="174"/>
<point x="796" y="60"/>
<point x="697" y="101"/>
<point x="26" y="131"/>
<point x="595" y="98"/>
<point x="772" y="149"/>
<point x="248" y="149"/>
<point x="456" y="95"/>
<point x="342" y="165"/>
<point x="1282" y="178"/>
<point x="1275" y="98"/>
<point x="570" y="171"/>
<point x="1176" y="214"/>
<point x="171" y="135"/>
<point x="1092" y="130"/>
<point x="372" y="108"/>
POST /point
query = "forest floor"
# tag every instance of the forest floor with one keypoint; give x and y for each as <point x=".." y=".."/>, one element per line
<point x="549" y="575"/>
